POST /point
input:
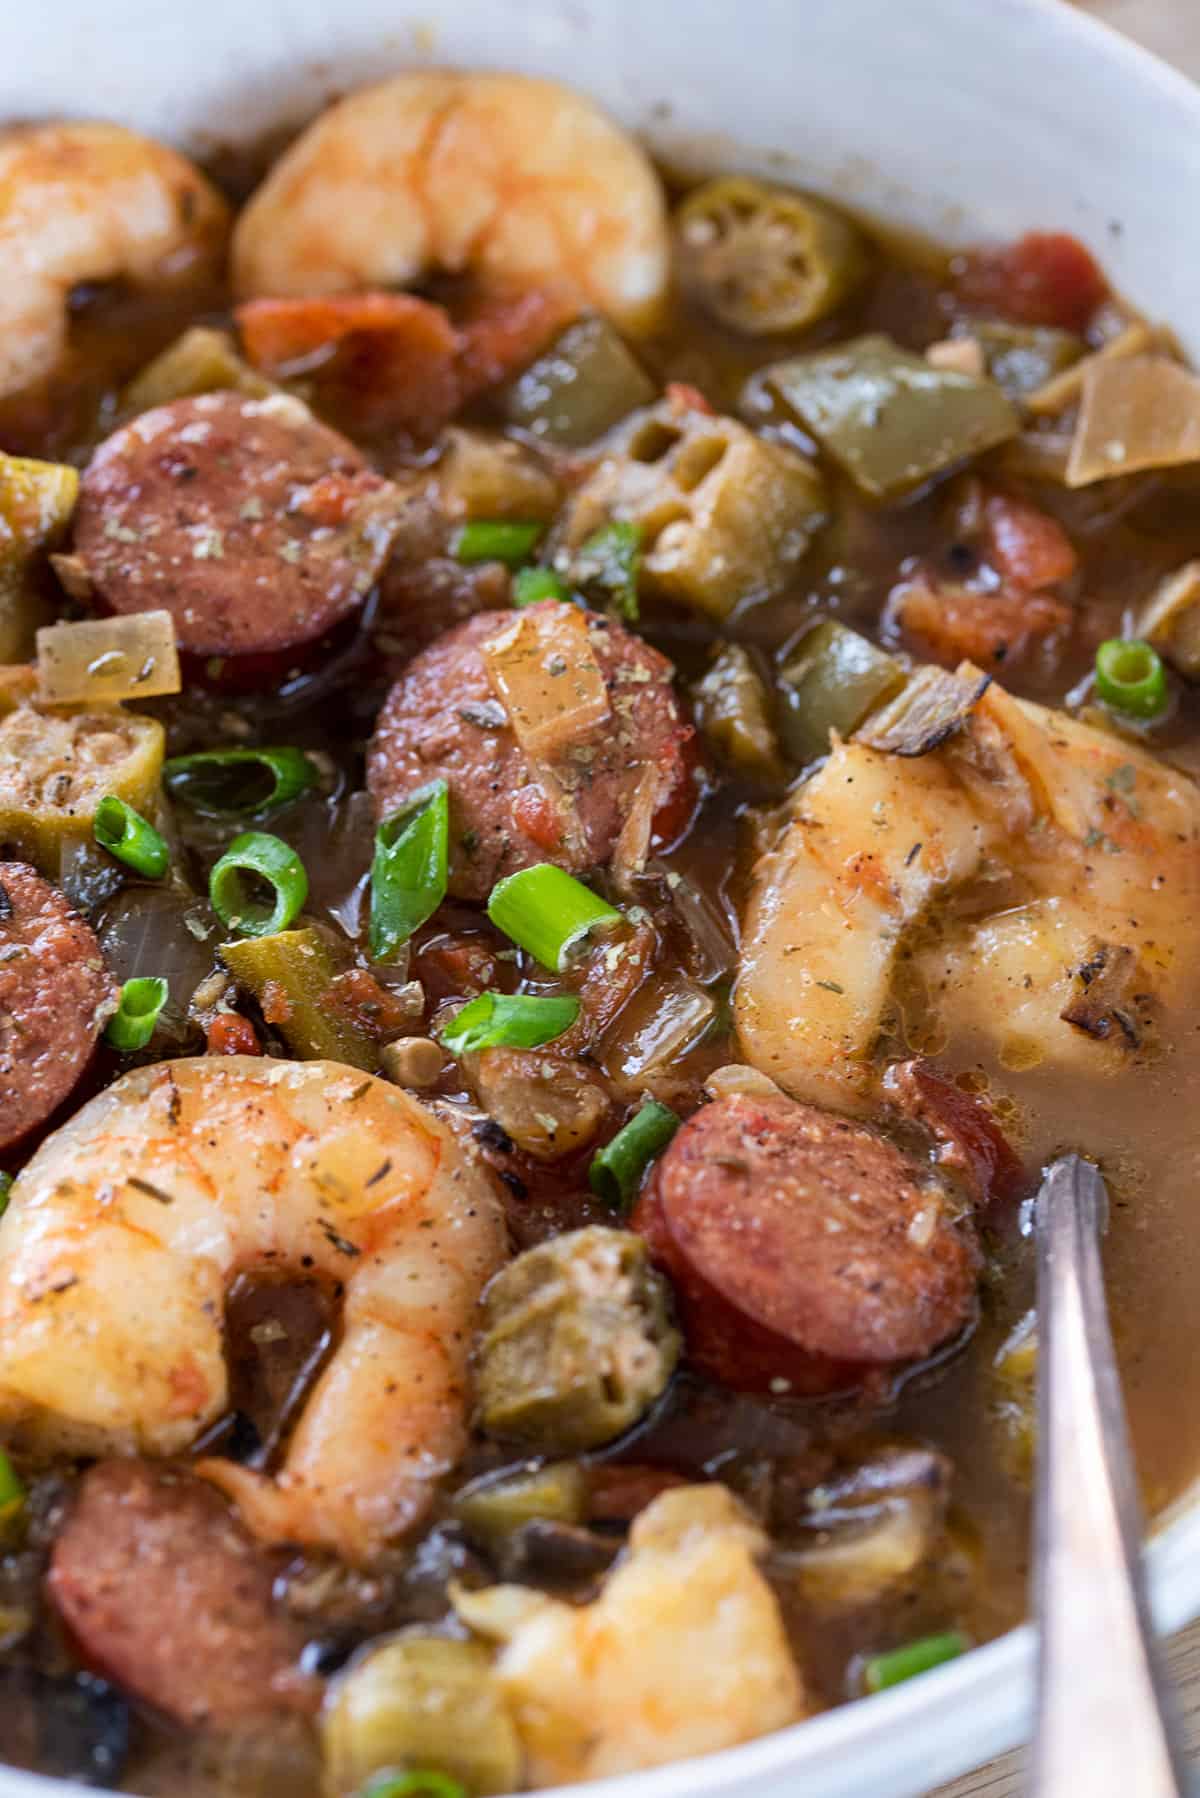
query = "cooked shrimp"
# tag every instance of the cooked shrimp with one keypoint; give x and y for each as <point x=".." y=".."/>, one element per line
<point x="91" y="202"/>
<point x="683" y="1651"/>
<point x="125" y="1230"/>
<point x="1088" y="847"/>
<point x="518" y="182"/>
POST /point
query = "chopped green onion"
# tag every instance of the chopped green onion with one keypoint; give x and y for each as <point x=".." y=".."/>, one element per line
<point x="251" y="861"/>
<point x="548" y="912"/>
<point x="6" y="1185"/>
<point x="611" y="559"/>
<point x="1130" y="677"/>
<point x="532" y="584"/>
<point x="408" y="872"/>
<point x="884" y="1670"/>
<point x="617" y="1169"/>
<point x="419" y="1782"/>
<point x="130" y="837"/>
<point x="132" y="1024"/>
<point x="230" y="783"/>
<point x="508" y="1021"/>
<point x="497" y="540"/>
<point x="12" y="1503"/>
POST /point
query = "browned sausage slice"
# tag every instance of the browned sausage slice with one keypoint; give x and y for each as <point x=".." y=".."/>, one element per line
<point x="166" y="1595"/>
<point x="254" y="524"/>
<point x="804" y="1247"/>
<point x="55" y="994"/>
<point x="444" y="719"/>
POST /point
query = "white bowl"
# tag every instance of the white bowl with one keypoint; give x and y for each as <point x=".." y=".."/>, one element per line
<point x="965" y="118"/>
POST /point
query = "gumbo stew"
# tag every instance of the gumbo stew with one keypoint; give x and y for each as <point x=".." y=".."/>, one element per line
<point x="593" y="774"/>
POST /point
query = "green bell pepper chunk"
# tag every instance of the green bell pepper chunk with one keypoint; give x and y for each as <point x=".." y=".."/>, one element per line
<point x="888" y="417"/>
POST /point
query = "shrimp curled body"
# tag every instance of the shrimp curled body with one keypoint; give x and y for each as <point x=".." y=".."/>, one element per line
<point x="516" y="181"/>
<point x="127" y="1227"/>
<point x="92" y="203"/>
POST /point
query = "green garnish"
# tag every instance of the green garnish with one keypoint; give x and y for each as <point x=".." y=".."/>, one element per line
<point x="508" y="1021"/>
<point x="133" y="1023"/>
<point x="532" y="584"/>
<point x="1130" y="677"/>
<point x="130" y="837"/>
<point x="12" y="1504"/>
<point x="252" y="861"/>
<point x="6" y="1184"/>
<point x="408" y="872"/>
<point x="229" y="783"/>
<point x="548" y="912"/>
<point x="419" y="1782"/>
<point x="497" y="540"/>
<point x="610" y="560"/>
<point x="617" y="1169"/>
<point x="884" y="1670"/>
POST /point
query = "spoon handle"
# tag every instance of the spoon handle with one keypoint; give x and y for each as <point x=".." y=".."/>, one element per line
<point x="1102" y="1727"/>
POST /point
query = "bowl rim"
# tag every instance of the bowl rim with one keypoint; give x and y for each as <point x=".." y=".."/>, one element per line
<point x="992" y="1685"/>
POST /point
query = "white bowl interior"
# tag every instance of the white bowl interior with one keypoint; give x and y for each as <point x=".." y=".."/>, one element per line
<point x="957" y="119"/>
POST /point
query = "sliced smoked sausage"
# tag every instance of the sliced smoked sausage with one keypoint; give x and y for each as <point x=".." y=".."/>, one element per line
<point x="167" y="1595"/>
<point x="256" y="526"/>
<point x="804" y="1248"/>
<point x="55" y="994"/>
<point x="519" y="793"/>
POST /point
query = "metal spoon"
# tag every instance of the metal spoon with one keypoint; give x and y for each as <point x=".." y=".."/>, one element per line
<point x="1103" y="1721"/>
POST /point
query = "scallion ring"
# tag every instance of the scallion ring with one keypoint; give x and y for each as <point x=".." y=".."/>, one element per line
<point x="610" y="560"/>
<point x="6" y="1182"/>
<point x="532" y="584"/>
<point x="508" y="1021"/>
<point x="408" y="871"/>
<point x="1130" y="677"/>
<point x="548" y="912"/>
<point x="617" y="1169"/>
<point x="418" y="1782"/>
<point x="131" y="838"/>
<point x="883" y="1670"/>
<point x="497" y="540"/>
<point x="235" y="887"/>
<point x="232" y="783"/>
<point x="133" y="1023"/>
<point x="12" y="1506"/>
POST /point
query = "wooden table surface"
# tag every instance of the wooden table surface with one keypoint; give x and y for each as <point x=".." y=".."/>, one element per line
<point x="1172" y="29"/>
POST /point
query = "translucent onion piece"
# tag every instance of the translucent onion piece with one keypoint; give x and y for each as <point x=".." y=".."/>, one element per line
<point x="103" y="660"/>
<point x="658" y="1027"/>
<point x="1171" y="621"/>
<point x="546" y="677"/>
<point x="1135" y="413"/>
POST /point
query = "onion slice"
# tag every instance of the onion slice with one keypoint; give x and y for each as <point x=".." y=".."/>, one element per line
<point x="1136" y="412"/>
<point x="545" y="675"/>
<point x="101" y="661"/>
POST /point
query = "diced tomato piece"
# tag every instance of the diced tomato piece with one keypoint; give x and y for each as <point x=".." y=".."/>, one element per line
<point x="367" y="1005"/>
<point x="1045" y="278"/>
<point x="535" y="813"/>
<point x="231" y="1034"/>
<point x="502" y="335"/>
<point x="949" y="623"/>
<point x="1026" y="546"/>
<point x="394" y="355"/>
<point x="683" y="397"/>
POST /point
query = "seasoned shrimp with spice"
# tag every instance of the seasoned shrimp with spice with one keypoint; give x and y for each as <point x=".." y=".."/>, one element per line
<point x="128" y="1226"/>
<point x="83" y="203"/>
<point x="518" y="182"/>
